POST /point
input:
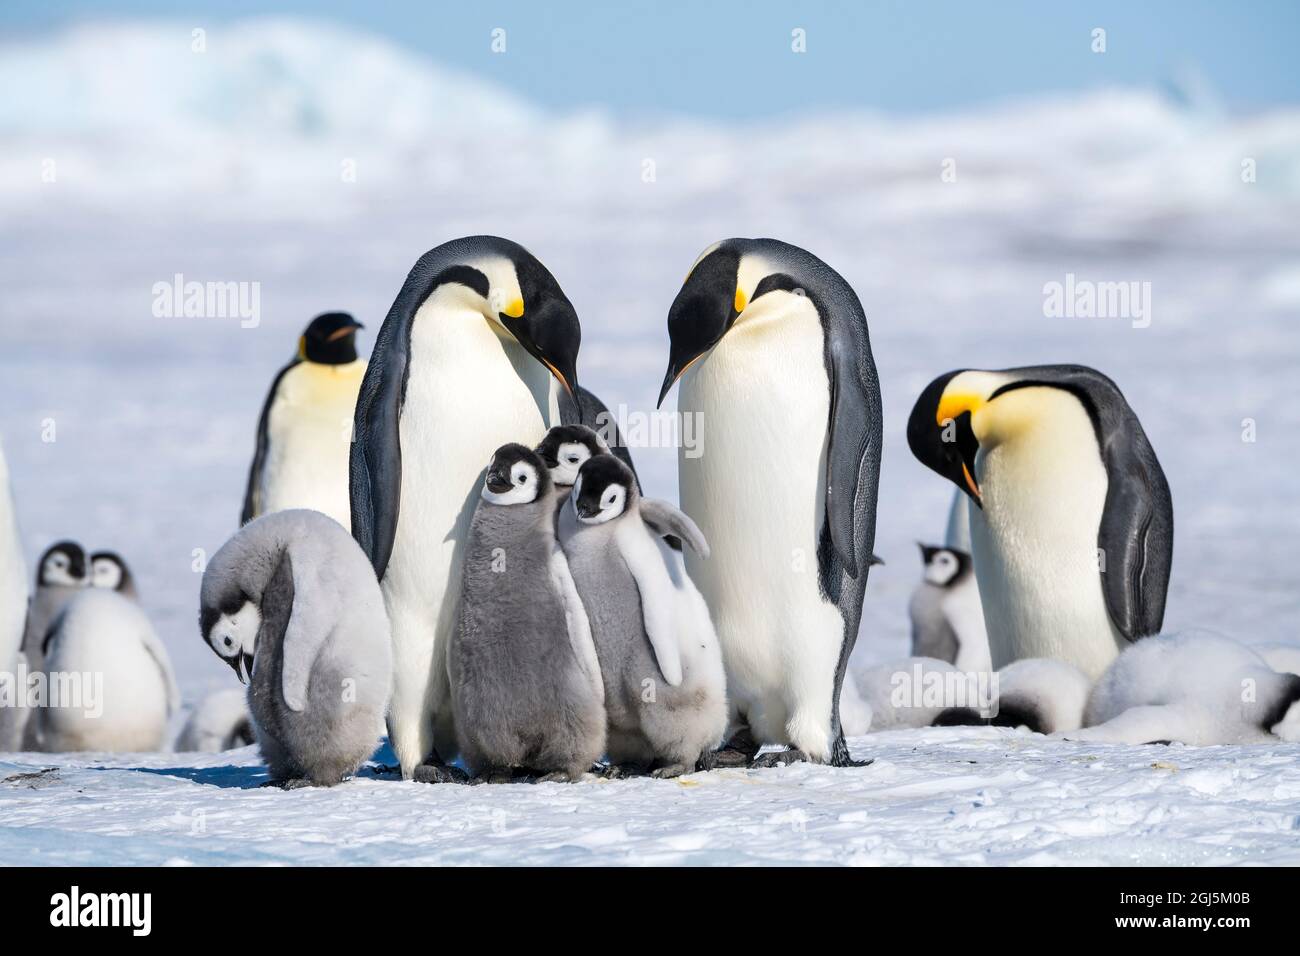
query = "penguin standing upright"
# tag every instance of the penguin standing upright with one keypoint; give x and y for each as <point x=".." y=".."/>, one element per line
<point x="947" y="620"/>
<point x="665" y="687"/>
<point x="1073" y="531"/>
<point x="128" y="691"/>
<point x="60" y="577"/>
<point x="305" y="430"/>
<point x="291" y="605"/>
<point x="13" y="615"/>
<point x="772" y="348"/>
<point x="108" y="570"/>
<point x="564" y="450"/>
<point x="479" y="349"/>
<point x="525" y="679"/>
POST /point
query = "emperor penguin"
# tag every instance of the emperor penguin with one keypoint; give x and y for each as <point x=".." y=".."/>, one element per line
<point x="947" y="620"/>
<point x="60" y="576"/>
<point x="304" y="433"/>
<point x="1073" y="526"/>
<point x="1194" y="688"/>
<point x="108" y="570"/>
<point x="772" y="349"/>
<point x="219" y="722"/>
<point x="292" y="605"/>
<point x="665" y="688"/>
<point x="13" y="616"/>
<point x="110" y="659"/>
<point x="526" y="686"/>
<point x="479" y="349"/>
<point x="564" y="450"/>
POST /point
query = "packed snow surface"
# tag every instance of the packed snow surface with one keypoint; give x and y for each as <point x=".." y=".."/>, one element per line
<point x="131" y="158"/>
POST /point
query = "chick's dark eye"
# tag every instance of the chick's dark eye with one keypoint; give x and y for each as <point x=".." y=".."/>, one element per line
<point x="520" y="479"/>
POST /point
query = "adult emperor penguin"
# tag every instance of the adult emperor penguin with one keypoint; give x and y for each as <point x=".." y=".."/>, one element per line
<point x="13" y="615"/>
<point x="305" y="430"/>
<point x="1074" y="529"/>
<point x="525" y="678"/>
<point x="479" y="349"/>
<point x="772" y="349"/>
<point x="665" y="689"/>
<point x="291" y="605"/>
<point x="103" y="642"/>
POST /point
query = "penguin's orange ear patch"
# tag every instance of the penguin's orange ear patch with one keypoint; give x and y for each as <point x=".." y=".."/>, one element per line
<point x="741" y="300"/>
<point x="302" y="346"/>
<point x="515" y="308"/>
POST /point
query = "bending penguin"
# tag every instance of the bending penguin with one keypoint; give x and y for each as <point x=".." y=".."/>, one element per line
<point x="105" y="633"/>
<point x="290" y="603"/>
<point x="665" y="690"/>
<point x="13" y="616"/>
<point x="479" y="349"/>
<point x="1072" y="533"/>
<point x="947" y="620"/>
<point x="1194" y="688"/>
<point x="772" y="349"/>
<point x="304" y="433"/>
<point x="525" y="681"/>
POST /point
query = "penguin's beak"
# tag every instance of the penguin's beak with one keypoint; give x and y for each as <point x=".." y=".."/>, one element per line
<point x="345" y="331"/>
<point x="703" y="312"/>
<point x="549" y="331"/>
<point x="242" y="665"/>
<point x="498" y="482"/>
<point x="940" y="435"/>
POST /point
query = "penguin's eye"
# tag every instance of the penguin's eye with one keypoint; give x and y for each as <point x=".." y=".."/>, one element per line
<point x="573" y="459"/>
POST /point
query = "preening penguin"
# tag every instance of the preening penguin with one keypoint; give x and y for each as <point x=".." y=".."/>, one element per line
<point x="947" y="620"/>
<point x="1072" y="535"/>
<point x="219" y="722"/>
<point x="772" y="350"/>
<point x="305" y="431"/>
<point x="103" y="641"/>
<point x="665" y="691"/>
<point x="479" y="349"/>
<point x="292" y="605"/>
<point x="525" y="681"/>
<point x="13" y="615"/>
<point x="1196" y="688"/>
<point x="60" y="576"/>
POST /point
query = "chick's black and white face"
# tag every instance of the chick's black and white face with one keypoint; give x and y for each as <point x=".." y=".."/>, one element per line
<point x="63" y="566"/>
<point x="106" y="573"/>
<point x="599" y="502"/>
<point x="513" y="478"/>
<point x="233" y="635"/>
<point x="941" y="566"/>
<point x="566" y="448"/>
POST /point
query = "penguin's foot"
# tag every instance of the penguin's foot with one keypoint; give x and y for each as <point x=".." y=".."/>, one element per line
<point x="439" y="773"/>
<point x="555" y="776"/>
<point x="780" y="758"/>
<point x="385" y="770"/>
<point x="611" y="771"/>
<point x="497" y="775"/>
<point x="670" y="771"/>
<point x="294" y="783"/>
<point x="840" y="756"/>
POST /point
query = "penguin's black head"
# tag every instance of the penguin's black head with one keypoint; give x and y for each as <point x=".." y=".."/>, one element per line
<point x="566" y="448"/>
<point x="543" y="320"/>
<point x="62" y="565"/>
<point x="705" y="308"/>
<point x="108" y="570"/>
<point x="516" y="476"/>
<point x="604" y="488"/>
<point x="942" y="442"/>
<point x="944" y="566"/>
<point x="330" y="339"/>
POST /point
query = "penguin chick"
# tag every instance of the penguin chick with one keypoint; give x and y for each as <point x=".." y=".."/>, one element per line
<point x="564" y="450"/>
<point x="219" y="722"/>
<point x="108" y="570"/>
<point x="947" y="618"/>
<point x="292" y="601"/>
<point x="1194" y="688"/>
<point x="665" y="688"/>
<point x="526" y="687"/>
<point x="111" y="687"/>
<point x="911" y="692"/>
<point x="1041" y="693"/>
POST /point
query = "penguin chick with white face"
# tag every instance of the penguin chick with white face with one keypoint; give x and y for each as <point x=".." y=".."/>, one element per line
<point x="947" y="620"/>
<point x="292" y="605"/>
<point x="128" y="691"/>
<point x="665" y="689"/>
<point x="1196" y="688"/>
<point x="304" y="434"/>
<point x="564" y="450"/>
<point x="1072" y="524"/>
<point x="60" y="576"/>
<point x="108" y="570"/>
<point x="219" y="722"/>
<point x="526" y="688"/>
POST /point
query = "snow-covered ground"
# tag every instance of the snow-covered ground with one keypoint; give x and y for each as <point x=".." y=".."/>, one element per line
<point x="253" y="161"/>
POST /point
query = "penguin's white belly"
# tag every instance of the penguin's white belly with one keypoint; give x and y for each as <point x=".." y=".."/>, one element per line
<point x="309" y="435"/>
<point x="1035" y="551"/>
<point x="109" y="692"/>
<point x="464" y="399"/>
<point x="13" y="577"/>
<point x="757" y="492"/>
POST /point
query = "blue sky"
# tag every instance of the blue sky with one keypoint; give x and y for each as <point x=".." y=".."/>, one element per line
<point x="733" y="58"/>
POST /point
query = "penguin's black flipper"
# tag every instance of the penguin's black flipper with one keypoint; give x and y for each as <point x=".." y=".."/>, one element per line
<point x="597" y="417"/>
<point x="253" y="492"/>
<point x="375" y="465"/>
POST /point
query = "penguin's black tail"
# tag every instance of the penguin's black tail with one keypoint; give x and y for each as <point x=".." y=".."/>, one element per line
<point x="1008" y="715"/>
<point x="1277" y="713"/>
